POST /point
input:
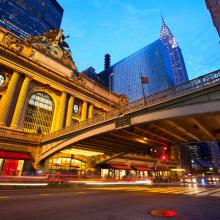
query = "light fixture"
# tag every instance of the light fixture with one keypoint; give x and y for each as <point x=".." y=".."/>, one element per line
<point x="178" y="169"/>
<point x="81" y="152"/>
<point x="141" y="141"/>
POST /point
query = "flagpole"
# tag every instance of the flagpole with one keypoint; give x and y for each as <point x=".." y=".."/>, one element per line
<point x="142" y="85"/>
<point x="110" y="85"/>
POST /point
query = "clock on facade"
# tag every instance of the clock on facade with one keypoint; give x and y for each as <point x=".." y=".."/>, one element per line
<point x="75" y="109"/>
<point x="2" y="80"/>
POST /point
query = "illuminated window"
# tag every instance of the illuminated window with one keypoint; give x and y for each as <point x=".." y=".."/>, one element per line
<point x="71" y="165"/>
<point x="39" y="114"/>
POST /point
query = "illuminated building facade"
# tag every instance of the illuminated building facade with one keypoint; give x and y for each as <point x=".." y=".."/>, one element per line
<point x="161" y="61"/>
<point x="214" y="9"/>
<point x="42" y="94"/>
<point x="26" y="18"/>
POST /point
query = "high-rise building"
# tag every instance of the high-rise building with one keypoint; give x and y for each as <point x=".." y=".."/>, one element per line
<point x="201" y="157"/>
<point x="161" y="62"/>
<point x="151" y="61"/>
<point x="30" y="17"/>
<point x="214" y="8"/>
<point x="176" y="57"/>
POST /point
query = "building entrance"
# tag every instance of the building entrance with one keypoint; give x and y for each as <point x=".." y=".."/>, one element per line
<point x="11" y="167"/>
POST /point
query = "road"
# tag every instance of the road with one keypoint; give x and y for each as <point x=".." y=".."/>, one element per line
<point x="109" y="203"/>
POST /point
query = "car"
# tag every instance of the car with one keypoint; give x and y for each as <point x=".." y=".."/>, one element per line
<point x="189" y="179"/>
<point x="212" y="179"/>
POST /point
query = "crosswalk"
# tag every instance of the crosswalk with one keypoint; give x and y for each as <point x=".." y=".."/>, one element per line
<point x="189" y="191"/>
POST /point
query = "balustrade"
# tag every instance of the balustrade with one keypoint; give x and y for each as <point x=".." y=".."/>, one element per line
<point x="187" y="88"/>
<point x="7" y="132"/>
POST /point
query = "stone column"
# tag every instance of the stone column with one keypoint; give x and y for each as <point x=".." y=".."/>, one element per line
<point x="54" y="122"/>
<point x="20" y="103"/>
<point x="60" y="115"/>
<point x="69" y="111"/>
<point x="91" y="108"/>
<point x="84" y="111"/>
<point x="7" y="99"/>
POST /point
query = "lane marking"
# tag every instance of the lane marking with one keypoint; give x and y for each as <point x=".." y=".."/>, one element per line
<point x="46" y="194"/>
<point x="170" y="190"/>
<point x="215" y="194"/>
<point x="18" y="190"/>
<point x="23" y="184"/>
<point x="208" y="192"/>
<point x="80" y="192"/>
<point x="132" y="190"/>
<point x="183" y="191"/>
<point x="196" y="191"/>
<point x="4" y="197"/>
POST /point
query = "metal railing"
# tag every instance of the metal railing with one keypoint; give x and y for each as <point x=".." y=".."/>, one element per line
<point x="187" y="88"/>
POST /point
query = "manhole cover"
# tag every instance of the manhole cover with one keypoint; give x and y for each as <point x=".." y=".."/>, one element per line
<point x="163" y="213"/>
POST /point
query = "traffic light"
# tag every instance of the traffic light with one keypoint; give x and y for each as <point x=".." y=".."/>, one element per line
<point x="163" y="157"/>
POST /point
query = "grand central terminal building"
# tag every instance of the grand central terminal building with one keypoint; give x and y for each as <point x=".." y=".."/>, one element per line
<point x="42" y="92"/>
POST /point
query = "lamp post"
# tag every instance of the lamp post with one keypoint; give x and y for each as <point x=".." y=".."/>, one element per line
<point x="110" y="86"/>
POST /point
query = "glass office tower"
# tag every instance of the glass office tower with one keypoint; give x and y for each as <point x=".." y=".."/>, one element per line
<point x="151" y="61"/>
<point x="30" y="17"/>
<point x="161" y="61"/>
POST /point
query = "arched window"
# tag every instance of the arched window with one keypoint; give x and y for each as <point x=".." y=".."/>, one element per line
<point x="39" y="114"/>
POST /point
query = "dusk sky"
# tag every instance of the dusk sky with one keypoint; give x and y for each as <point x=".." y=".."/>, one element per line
<point x="121" y="27"/>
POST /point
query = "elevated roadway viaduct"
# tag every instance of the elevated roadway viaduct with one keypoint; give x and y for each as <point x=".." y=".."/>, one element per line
<point x="187" y="113"/>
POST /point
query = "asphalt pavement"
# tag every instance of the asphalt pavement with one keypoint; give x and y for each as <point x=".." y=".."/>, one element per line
<point x="109" y="203"/>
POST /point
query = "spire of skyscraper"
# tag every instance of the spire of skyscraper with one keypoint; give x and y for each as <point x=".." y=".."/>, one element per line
<point x="176" y="58"/>
<point x="165" y="31"/>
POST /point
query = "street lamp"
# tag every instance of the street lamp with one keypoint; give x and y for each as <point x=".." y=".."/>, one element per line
<point x="110" y="86"/>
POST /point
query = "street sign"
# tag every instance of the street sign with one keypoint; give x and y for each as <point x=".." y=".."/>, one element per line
<point x="122" y="121"/>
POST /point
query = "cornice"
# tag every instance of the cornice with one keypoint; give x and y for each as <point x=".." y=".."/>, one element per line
<point x="34" y="70"/>
<point x="37" y="57"/>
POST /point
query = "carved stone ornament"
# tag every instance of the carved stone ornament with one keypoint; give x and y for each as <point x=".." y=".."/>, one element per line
<point x="79" y="80"/>
<point x="32" y="53"/>
<point x="52" y="43"/>
<point x="13" y="43"/>
<point x="47" y="89"/>
<point x="123" y="100"/>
